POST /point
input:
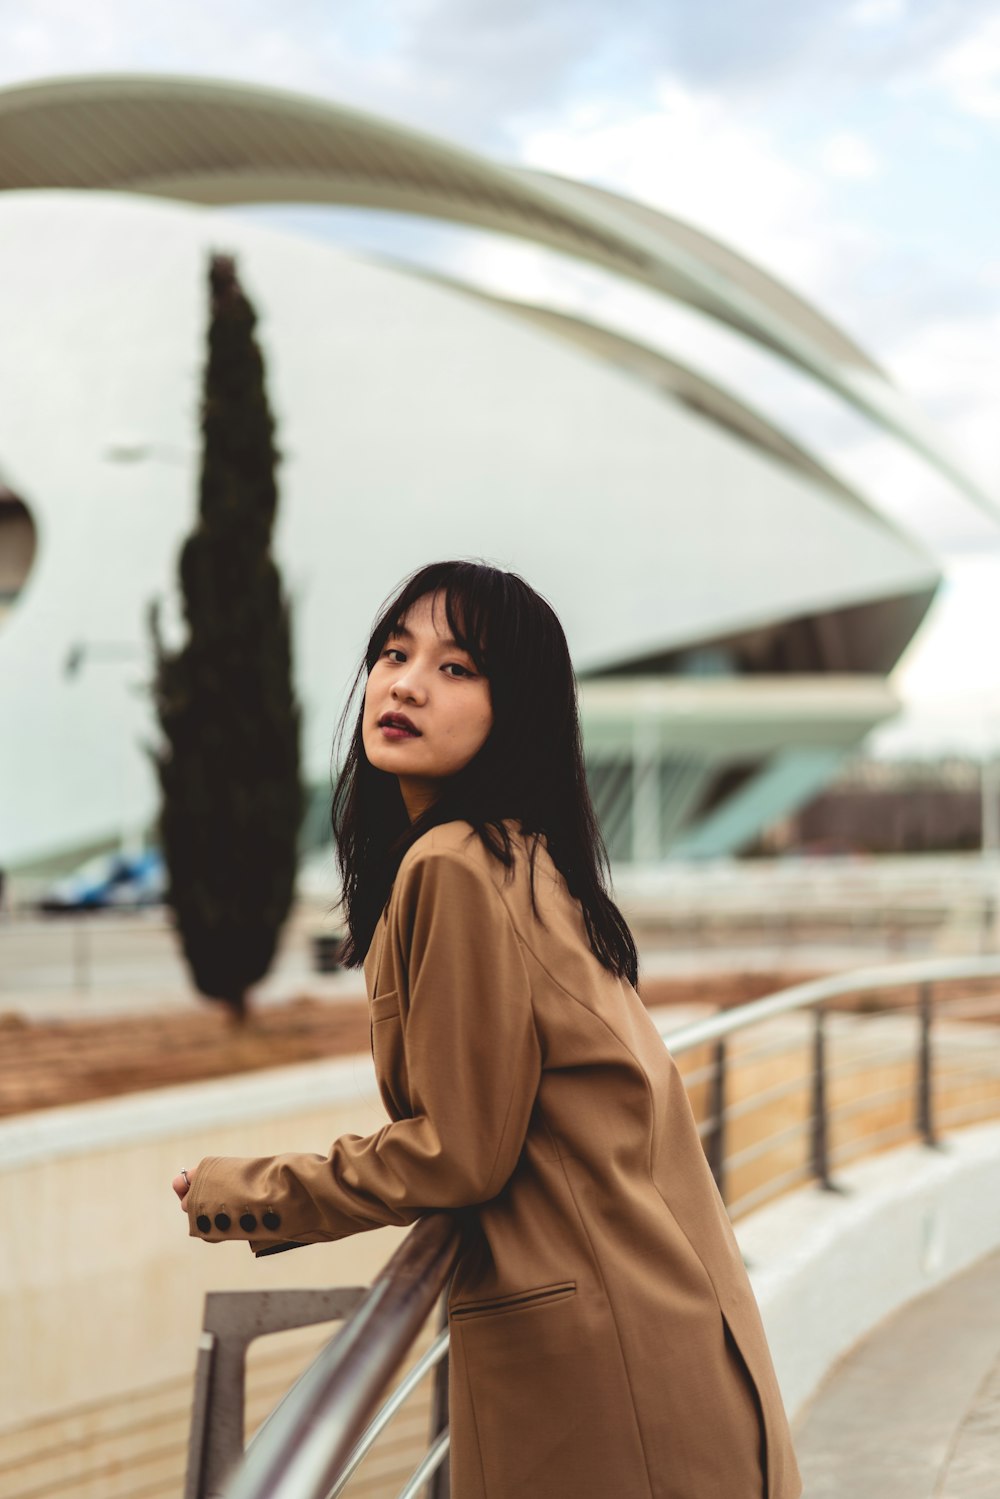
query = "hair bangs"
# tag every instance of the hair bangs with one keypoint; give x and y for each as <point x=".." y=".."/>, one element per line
<point x="470" y="605"/>
<point x="470" y="609"/>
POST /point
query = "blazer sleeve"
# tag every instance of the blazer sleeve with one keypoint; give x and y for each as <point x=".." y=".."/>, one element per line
<point x="473" y="1065"/>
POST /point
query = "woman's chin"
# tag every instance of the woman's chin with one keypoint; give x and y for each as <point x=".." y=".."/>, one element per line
<point x="398" y="759"/>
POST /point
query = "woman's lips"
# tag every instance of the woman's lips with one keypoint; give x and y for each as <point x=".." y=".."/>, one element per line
<point x="398" y="726"/>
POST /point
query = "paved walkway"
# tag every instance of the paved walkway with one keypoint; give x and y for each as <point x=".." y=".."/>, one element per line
<point x="913" y="1412"/>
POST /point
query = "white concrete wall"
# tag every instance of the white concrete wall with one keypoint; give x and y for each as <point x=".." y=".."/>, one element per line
<point x="828" y="1266"/>
<point x="101" y="1290"/>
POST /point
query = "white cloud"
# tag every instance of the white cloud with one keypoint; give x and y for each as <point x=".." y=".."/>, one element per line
<point x="691" y="154"/>
<point x="876" y="12"/>
<point x="969" y="71"/>
<point x="846" y="154"/>
<point x="949" y="678"/>
<point x="54" y="37"/>
<point x="955" y="654"/>
<point x="951" y="367"/>
<point x="310" y="47"/>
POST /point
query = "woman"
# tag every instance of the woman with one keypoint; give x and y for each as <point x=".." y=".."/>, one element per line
<point x="605" y="1342"/>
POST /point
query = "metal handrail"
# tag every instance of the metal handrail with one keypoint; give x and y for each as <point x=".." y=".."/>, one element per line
<point x="754" y="1102"/>
<point x="851" y="1149"/>
<point x="324" y="1426"/>
<point x="968" y="1009"/>
<point x="429" y="1465"/>
<point x="306" y="1443"/>
<point x="764" y="1193"/>
<point x="968" y="1114"/>
<point x="816" y="991"/>
<point x="380" y="1421"/>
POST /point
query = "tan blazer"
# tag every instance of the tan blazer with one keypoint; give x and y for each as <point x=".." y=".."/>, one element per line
<point x="605" y="1341"/>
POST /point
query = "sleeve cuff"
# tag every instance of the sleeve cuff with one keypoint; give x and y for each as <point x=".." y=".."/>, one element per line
<point x="218" y="1214"/>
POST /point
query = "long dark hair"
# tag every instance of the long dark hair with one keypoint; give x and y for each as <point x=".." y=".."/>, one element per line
<point x="530" y="768"/>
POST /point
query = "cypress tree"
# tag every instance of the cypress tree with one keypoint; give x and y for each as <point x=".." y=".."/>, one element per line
<point x="228" y="762"/>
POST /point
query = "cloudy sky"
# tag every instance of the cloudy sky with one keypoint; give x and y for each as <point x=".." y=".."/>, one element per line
<point x="850" y="147"/>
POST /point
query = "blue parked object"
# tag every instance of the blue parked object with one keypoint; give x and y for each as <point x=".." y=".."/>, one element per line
<point x="119" y="880"/>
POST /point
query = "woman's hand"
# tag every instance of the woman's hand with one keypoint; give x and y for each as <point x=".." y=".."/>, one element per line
<point x="181" y="1185"/>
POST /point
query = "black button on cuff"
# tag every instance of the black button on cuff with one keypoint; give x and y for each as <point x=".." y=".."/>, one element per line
<point x="203" y="1224"/>
<point x="248" y="1223"/>
<point x="271" y="1220"/>
<point x="223" y="1222"/>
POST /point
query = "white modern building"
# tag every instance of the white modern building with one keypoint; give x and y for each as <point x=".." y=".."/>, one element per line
<point x="733" y="608"/>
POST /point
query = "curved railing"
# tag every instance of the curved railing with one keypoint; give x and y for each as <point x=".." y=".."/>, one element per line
<point x="912" y="1093"/>
<point x="766" y="1124"/>
<point x="317" y="1435"/>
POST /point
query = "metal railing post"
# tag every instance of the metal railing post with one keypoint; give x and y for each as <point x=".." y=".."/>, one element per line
<point x="820" y="1131"/>
<point x="440" y="1483"/>
<point x="715" y="1140"/>
<point x="233" y="1319"/>
<point x="304" y="1445"/>
<point x="198" y="1436"/>
<point x="925" y="1067"/>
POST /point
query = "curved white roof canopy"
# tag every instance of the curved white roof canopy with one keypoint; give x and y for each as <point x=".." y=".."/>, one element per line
<point x="415" y="422"/>
<point x="668" y="377"/>
<point x="217" y="142"/>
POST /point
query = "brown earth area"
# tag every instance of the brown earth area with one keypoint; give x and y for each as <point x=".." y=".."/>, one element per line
<point x="44" y="1064"/>
<point x="48" y="1064"/>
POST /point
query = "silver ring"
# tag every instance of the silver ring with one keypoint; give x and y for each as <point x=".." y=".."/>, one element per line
<point x="185" y="1176"/>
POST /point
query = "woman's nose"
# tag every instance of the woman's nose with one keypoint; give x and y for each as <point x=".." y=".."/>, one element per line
<point x="409" y="688"/>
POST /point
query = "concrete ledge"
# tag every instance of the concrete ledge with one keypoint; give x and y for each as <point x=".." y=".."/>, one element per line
<point x="828" y="1266"/>
<point x="187" y="1108"/>
<point x="196" y="1108"/>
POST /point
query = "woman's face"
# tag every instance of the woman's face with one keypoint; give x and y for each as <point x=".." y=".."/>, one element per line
<point x="427" y="709"/>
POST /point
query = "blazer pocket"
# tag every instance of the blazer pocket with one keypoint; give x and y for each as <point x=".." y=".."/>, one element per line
<point x="515" y="1301"/>
<point x="384" y="1006"/>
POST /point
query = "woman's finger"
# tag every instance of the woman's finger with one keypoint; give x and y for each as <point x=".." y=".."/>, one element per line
<point x="181" y="1184"/>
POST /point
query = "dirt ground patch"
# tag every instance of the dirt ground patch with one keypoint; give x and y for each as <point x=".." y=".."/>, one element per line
<point x="50" y="1063"/>
<point x="47" y="1064"/>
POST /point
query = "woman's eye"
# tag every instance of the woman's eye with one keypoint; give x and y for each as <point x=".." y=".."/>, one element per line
<point x="391" y="653"/>
<point x="453" y="669"/>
